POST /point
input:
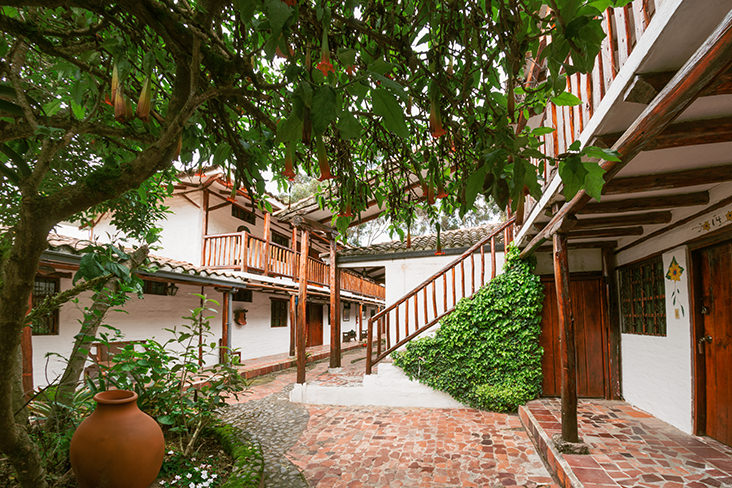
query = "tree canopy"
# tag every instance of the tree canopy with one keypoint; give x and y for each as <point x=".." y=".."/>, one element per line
<point x="97" y="98"/>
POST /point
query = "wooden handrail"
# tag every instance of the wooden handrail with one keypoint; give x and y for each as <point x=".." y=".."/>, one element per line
<point x="382" y="317"/>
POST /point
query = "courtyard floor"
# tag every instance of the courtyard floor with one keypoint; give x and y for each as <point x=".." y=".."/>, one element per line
<point x="334" y="446"/>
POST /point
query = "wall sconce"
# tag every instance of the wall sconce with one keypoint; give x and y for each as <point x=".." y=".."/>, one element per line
<point x="240" y="316"/>
<point x="172" y="289"/>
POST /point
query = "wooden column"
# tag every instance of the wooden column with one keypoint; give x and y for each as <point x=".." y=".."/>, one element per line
<point x="335" y="307"/>
<point x="613" y="333"/>
<point x="224" y="344"/>
<point x="566" y="340"/>
<point x="267" y="237"/>
<point x="293" y="246"/>
<point x="302" y="307"/>
<point x="204" y="224"/>
<point x="293" y="321"/>
<point x="360" y="321"/>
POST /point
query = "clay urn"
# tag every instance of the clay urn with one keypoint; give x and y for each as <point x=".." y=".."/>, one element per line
<point x="118" y="445"/>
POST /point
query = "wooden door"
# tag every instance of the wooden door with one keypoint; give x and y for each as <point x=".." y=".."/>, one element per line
<point x="714" y="338"/>
<point x="589" y="311"/>
<point x="314" y="324"/>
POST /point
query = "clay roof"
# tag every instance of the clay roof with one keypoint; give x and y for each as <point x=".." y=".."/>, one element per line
<point x="70" y="245"/>
<point x="451" y="239"/>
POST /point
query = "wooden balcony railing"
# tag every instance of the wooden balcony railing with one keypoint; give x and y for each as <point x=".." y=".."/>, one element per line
<point x="624" y="27"/>
<point x="434" y="298"/>
<point x="227" y="251"/>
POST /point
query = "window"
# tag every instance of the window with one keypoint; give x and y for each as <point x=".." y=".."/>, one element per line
<point x="643" y="298"/>
<point x="154" y="287"/>
<point x="242" y="214"/>
<point x="279" y="311"/>
<point x="242" y="295"/>
<point x="42" y="288"/>
<point x="280" y="239"/>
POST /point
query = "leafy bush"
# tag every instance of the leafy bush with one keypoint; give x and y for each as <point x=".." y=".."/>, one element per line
<point x="248" y="469"/>
<point x="171" y="384"/>
<point x="486" y="353"/>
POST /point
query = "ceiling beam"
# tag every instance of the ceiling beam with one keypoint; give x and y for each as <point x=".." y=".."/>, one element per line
<point x="664" y="181"/>
<point x="691" y="133"/>
<point x="644" y="87"/>
<point x="583" y="245"/>
<point x="646" y="203"/>
<point x="612" y="232"/>
<point x="648" y="218"/>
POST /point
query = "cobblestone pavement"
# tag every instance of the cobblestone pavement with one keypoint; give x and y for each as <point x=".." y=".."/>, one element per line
<point x="374" y="447"/>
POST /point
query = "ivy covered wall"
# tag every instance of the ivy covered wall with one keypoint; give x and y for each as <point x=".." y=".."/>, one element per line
<point x="486" y="354"/>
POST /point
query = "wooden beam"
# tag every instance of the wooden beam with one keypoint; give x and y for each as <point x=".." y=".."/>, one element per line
<point x="224" y="349"/>
<point x="663" y="181"/>
<point x="583" y="245"/>
<point x="567" y="350"/>
<point x="616" y="232"/>
<point x="613" y="385"/>
<point x="304" y="222"/>
<point x="302" y="308"/>
<point x="691" y="133"/>
<point x="220" y="205"/>
<point x="681" y="222"/>
<point x="293" y="326"/>
<point x="644" y="87"/>
<point x="335" y="307"/>
<point x="703" y="67"/>
<point x="648" y="218"/>
<point x="267" y="236"/>
<point x="646" y="203"/>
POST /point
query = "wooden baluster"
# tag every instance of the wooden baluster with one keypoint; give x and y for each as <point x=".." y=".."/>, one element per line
<point x="570" y="114"/>
<point x="434" y="297"/>
<point x="387" y="321"/>
<point x="454" y="286"/>
<point x="244" y="255"/>
<point x="462" y="278"/>
<point x="640" y="17"/>
<point x="555" y="134"/>
<point x="369" y="344"/>
<point x="388" y="337"/>
<point x="482" y="265"/>
<point x="378" y="337"/>
<point x="424" y="297"/>
<point x="396" y="310"/>
<point x="493" y="256"/>
<point x="608" y="55"/>
<point x="579" y="117"/>
<point x="406" y="317"/>
<point x="267" y="236"/>
<point x="472" y="274"/>
<point x="398" y="332"/>
<point x="416" y="311"/>
<point x="444" y="291"/>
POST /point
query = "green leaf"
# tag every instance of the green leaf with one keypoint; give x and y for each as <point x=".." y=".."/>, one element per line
<point x="386" y="105"/>
<point x="541" y="131"/>
<point x="78" y="110"/>
<point x="349" y="126"/>
<point x="347" y="56"/>
<point x="566" y="99"/>
<point x="594" y="180"/>
<point x="246" y="9"/>
<point x="52" y="107"/>
<point x="277" y="13"/>
<point x="166" y="420"/>
<point x="573" y="175"/>
<point x="324" y="108"/>
<point x="289" y="130"/>
<point x="392" y="85"/>
<point x="222" y="153"/>
<point x="380" y="67"/>
<point x="602" y="154"/>
<point x="474" y="185"/>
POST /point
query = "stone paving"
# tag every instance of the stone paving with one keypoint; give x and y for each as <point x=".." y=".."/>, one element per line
<point x="631" y="448"/>
<point x="379" y="446"/>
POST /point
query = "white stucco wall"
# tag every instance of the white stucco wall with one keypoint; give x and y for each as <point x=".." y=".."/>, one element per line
<point x="258" y="338"/>
<point x="657" y="371"/>
<point x="144" y="318"/>
<point x="580" y="260"/>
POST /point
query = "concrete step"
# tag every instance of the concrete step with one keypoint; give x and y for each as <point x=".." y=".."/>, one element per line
<point x="390" y="387"/>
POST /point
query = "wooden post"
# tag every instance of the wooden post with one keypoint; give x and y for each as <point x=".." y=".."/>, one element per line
<point x="369" y="344"/>
<point x="302" y="308"/>
<point x="566" y="339"/>
<point x="204" y="224"/>
<point x="244" y="251"/>
<point x="293" y="319"/>
<point x="267" y="237"/>
<point x="360" y="321"/>
<point x="293" y="245"/>
<point x="223" y="349"/>
<point x="335" y="307"/>
<point x="613" y="333"/>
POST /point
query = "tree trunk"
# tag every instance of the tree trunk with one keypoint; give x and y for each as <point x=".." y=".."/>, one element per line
<point x="101" y="303"/>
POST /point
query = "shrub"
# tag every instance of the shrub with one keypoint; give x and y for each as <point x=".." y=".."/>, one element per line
<point x="486" y="353"/>
<point x="248" y="470"/>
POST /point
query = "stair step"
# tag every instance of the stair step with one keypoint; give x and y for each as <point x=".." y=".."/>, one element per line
<point x="390" y="387"/>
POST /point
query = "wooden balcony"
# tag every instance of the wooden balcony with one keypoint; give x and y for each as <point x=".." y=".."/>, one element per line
<point x="227" y="251"/>
<point x="624" y="27"/>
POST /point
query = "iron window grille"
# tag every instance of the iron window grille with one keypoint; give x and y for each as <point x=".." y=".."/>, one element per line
<point x="643" y="298"/>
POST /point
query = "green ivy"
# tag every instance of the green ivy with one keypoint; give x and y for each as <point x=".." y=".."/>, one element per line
<point x="486" y="353"/>
<point x="248" y="471"/>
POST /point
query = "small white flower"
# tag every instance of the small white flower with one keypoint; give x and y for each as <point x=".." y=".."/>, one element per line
<point x="188" y="475"/>
<point x="177" y="477"/>
<point x="170" y="452"/>
<point x="191" y="485"/>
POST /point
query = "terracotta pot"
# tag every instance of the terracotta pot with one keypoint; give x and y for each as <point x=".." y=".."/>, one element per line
<point x="118" y="445"/>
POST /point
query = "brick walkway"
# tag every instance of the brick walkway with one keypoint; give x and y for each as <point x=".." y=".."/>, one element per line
<point x="631" y="448"/>
<point x="378" y="447"/>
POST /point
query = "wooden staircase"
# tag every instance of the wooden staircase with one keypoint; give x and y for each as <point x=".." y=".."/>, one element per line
<point x="395" y="321"/>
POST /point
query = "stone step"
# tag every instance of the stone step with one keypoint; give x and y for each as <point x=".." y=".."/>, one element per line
<point x="390" y="387"/>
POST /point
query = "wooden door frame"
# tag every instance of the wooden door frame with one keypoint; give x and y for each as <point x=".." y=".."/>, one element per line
<point x="698" y="369"/>
<point x="307" y="322"/>
<point x="605" y="325"/>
